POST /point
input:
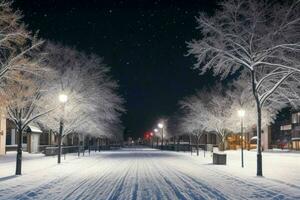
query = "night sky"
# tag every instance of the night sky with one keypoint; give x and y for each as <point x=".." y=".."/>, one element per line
<point x="142" y="41"/>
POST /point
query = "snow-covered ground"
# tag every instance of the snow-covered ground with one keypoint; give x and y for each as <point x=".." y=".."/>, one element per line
<point x="150" y="174"/>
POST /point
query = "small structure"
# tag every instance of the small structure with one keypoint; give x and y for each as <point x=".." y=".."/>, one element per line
<point x="219" y="159"/>
<point x="33" y="138"/>
<point x="253" y="142"/>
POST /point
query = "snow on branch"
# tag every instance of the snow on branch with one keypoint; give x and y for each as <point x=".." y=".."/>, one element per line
<point x="93" y="106"/>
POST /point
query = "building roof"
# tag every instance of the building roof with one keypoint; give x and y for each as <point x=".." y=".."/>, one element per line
<point x="295" y="138"/>
<point x="34" y="129"/>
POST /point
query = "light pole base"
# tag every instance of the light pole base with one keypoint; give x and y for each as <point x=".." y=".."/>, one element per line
<point x="259" y="165"/>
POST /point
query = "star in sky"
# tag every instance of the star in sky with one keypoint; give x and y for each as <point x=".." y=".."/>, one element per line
<point x="144" y="43"/>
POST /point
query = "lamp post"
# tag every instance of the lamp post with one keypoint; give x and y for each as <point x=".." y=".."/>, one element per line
<point x="161" y="126"/>
<point x="63" y="99"/>
<point x="151" y="135"/>
<point x="241" y="115"/>
<point x="155" y="131"/>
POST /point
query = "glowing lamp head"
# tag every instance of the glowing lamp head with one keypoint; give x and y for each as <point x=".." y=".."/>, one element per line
<point x="63" y="98"/>
<point x="160" y="125"/>
<point x="241" y="113"/>
<point x="151" y="134"/>
<point x="155" y="130"/>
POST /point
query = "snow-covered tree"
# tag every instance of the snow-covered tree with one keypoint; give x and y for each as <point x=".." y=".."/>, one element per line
<point x="195" y="120"/>
<point x="93" y="106"/>
<point x="17" y="46"/>
<point x="211" y="110"/>
<point x="242" y="99"/>
<point x="20" y="61"/>
<point x="22" y="105"/>
<point x="219" y="107"/>
<point x="173" y="127"/>
<point x="262" y="39"/>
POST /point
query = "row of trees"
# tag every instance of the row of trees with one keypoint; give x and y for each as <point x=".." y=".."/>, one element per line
<point x="215" y="111"/>
<point x="34" y="73"/>
<point x="258" y="42"/>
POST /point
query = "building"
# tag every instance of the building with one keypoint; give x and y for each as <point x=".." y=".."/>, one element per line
<point x="289" y="134"/>
<point x="36" y="139"/>
<point x="30" y="140"/>
<point x="234" y="140"/>
<point x="2" y="135"/>
<point x="286" y="130"/>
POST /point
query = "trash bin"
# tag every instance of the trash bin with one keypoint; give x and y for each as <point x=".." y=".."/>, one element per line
<point x="219" y="159"/>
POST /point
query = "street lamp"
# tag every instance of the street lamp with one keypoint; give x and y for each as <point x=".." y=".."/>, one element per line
<point x="161" y="126"/>
<point x="155" y="132"/>
<point x="151" y="135"/>
<point x="241" y="114"/>
<point x="63" y="98"/>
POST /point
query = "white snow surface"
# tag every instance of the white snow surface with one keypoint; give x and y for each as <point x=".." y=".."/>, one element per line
<point x="143" y="173"/>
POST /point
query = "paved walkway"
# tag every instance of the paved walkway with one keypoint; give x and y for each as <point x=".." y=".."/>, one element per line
<point x="137" y="174"/>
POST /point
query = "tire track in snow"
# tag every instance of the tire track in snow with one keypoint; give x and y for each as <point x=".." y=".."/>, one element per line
<point x="56" y="184"/>
<point x="140" y="175"/>
<point x="200" y="185"/>
<point x="150" y="181"/>
<point x="166" y="185"/>
<point x="116" y="190"/>
<point x="182" y="189"/>
<point x="91" y="183"/>
<point x="201" y="190"/>
<point x="237" y="182"/>
<point x="259" y="189"/>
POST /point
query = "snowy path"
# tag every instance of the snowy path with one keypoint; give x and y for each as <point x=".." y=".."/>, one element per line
<point x="137" y="174"/>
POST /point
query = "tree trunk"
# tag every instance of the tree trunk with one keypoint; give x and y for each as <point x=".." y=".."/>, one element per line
<point x="197" y="140"/>
<point x="98" y="143"/>
<point x="258" y="107"/>
<point x="174" y="142"/>
<point x="259" y="155"/>
<point x="190" y="144"/>
<point x="152" y="145"/>
<point x="83" y="146"/>
<point x="78" y="145"/>
<point x="59" y="141"/>
<point x="222" y="145"/>
<point x="162" y="139"/>
<point x="19" y="150"/>
<point x="89" y="140"/>
<point x="72" y="139"/>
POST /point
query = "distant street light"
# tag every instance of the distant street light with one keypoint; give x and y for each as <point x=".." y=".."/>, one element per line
<point x="161" y="126"/>
<point x="151" y="135"/>
<point x="155" y="132"/>
<point x="241" y="115"/>
<point x="63" y="99"/>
